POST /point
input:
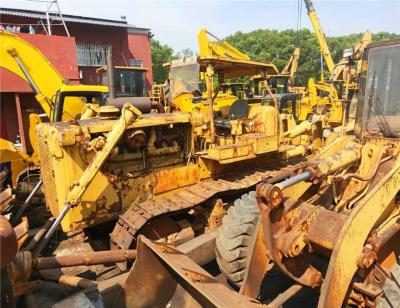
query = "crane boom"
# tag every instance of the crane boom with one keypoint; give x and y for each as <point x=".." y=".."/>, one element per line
<point x="323" y="45"/>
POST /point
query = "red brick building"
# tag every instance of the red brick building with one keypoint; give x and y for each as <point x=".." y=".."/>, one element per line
<point x="76" y="57"/>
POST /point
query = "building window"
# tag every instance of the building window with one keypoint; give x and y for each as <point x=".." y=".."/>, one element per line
<point x="135" y="63"/>
<point x="90" y="54"/>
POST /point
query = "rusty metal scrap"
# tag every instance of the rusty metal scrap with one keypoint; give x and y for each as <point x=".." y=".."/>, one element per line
<point x="90" y="258"/>
<point x="8" y="242"/>
<point x="160" y="278"/>
<point x="68" y="280"/>
<point x="287" y="236"/>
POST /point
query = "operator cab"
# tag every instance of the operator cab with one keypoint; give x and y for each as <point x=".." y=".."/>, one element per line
<point x="378" y="108"/>
<point x="287" y="102"/>
<point x="129" y="81"/>
<point x="277" y="83"/>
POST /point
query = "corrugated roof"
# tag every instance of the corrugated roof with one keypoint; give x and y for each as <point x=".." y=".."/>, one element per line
<point x="72" y="18"/>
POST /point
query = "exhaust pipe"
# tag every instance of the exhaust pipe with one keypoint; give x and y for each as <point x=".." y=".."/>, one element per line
<point x="110" y="74"/>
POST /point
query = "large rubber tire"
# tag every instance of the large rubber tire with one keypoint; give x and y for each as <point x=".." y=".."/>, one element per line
<point x="235" y="236"/>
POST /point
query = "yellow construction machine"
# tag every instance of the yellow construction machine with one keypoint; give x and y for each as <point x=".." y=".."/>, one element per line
<point x="164" y="172"/>
<point x="279" y="82"/>
<point x="333" y="96"/>
<point x="165" y="175"/>
<point x="321" y="233"/>
<point x="58" y="100"/>
<point x="189" y="91"/>
<point x="50" y="88"/>
<point x="193" y="95"/>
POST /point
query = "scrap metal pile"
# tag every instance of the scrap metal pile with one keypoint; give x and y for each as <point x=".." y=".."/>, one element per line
<point x="208" y="198"/>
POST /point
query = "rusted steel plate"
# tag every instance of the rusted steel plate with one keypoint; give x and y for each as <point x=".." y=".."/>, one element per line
<point x="132" y="218"/>
<point x="164" y="275"/>
<point x="200" y="191"/>
<point x="257" y="267"/>
<point x="166" y="204"/>
<point x="179" y="203"/>
<point x="225" y="185"/>
<point x="325" y="234"/>
<point x="150" y="209"/>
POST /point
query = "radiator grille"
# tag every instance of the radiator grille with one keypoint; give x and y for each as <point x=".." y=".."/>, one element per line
<point x="46" y="169"/>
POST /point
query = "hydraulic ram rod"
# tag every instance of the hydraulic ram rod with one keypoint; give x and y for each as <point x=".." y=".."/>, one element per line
<point x="27" y="202"/>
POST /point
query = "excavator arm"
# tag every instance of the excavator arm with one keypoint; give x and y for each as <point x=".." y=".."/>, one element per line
<point x="28" y="62"/>
<point x="218" y="47"/>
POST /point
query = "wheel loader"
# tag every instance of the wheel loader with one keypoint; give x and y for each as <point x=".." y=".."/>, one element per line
<point x="322" y="233"/>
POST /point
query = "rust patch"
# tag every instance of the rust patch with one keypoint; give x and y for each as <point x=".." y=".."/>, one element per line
<point x="167" y="180"/>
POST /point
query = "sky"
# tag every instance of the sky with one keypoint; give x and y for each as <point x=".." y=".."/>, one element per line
<point x="176" y="23"/>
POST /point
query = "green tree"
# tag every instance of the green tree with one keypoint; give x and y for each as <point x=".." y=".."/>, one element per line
<point x="186" y="52"/>
<point x="160" y="54"/>
<point x="276" y="47"/>
<point x="273" y="46"/>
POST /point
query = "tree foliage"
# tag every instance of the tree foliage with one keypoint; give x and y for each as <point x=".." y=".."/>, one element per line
<point x="160" y="54"/>
<point x="277" y="46"/>
<point x="186" y="52"/>
<point x="273" y="46"/>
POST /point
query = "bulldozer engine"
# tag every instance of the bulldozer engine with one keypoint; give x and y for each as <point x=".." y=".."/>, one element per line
<point x="131" y="172"/>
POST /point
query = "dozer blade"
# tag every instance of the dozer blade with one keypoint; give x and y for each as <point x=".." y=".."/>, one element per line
<point x="162" y="276"/>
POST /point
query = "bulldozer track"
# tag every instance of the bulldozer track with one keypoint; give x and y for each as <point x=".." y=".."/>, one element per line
<point x="129" y="223"/>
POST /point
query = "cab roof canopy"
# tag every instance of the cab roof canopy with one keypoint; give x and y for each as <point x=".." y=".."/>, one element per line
<point x="232" y="68"/>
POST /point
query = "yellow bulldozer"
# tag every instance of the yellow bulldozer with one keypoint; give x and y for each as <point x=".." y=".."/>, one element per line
<point x="154" y="160"/>
<point x="58" y="100"/>
<point x="321" y="233"/>
<point x="165" y="175"/>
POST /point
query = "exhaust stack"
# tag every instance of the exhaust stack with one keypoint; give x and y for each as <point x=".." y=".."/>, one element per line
<point x="110" y="74"/>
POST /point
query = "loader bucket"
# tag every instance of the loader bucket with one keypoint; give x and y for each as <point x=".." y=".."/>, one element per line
<point x="165" y="277"/>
